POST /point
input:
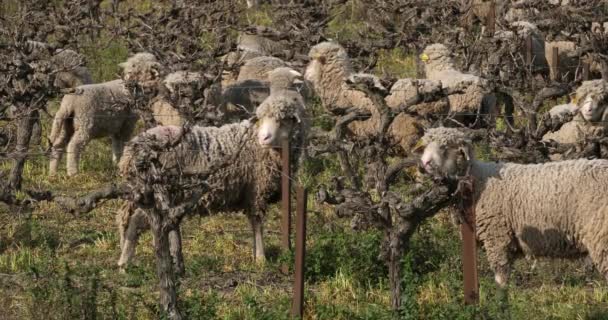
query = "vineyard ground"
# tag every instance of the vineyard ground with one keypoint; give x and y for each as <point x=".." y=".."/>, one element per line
<point x="57" y="266"/>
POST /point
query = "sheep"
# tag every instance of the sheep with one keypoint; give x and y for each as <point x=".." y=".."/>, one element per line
<point x="555" y="209"/>
<point x="248" y="183"/>
<point x="561" y="110"/>
<point x="236" y="102"/>
<point x="477" y="97"/>
<point x="259" y="67"/>
<point x="258" y="44"/>
<point x="99" y="110"/>
<point x="592" y="101"/>
<point x="327" y="70"/>
<point x="249" y="46"/>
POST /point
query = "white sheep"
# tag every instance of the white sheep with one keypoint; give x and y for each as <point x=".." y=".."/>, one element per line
<point x="561" y="110"/>
<point x="327" y="71"/>
<point x="477" y="96"/>
<point x="259" y="67"/>
<point x="592" y="102"/>
<point x="555" y="209"/>
<point x="248" y="183"/>
<point x="99" y="110"/>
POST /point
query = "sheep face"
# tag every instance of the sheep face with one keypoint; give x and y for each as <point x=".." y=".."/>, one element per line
<point x="436" y="56"/>
<point x="321" y="54"/>
<point x="142" y="68"/>
<point x="313" y="71"/>
<point x="446" y="152"/>
<point x="441" y="160"/>
<point x="591" y="109"/>
<point x="272" y="131"/>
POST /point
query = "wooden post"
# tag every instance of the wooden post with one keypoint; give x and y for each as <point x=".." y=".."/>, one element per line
<point x="529" y="51"/>
<point x="585" y="70"/>
<point x="285" y="200"/>
<point x="491" y="19"/>
<point x="297" y="307"/>
<point x="469" y="252"/>
<point x="555" y="64"/>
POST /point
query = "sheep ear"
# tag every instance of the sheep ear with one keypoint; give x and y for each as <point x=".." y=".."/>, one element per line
<point x="466" y="152"/>
<point x="295" y="73"/>
<point x="122" y="65"/>
<point x="418" y="148"/>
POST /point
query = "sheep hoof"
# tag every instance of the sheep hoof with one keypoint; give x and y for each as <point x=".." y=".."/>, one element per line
<point x="260" y="261"/>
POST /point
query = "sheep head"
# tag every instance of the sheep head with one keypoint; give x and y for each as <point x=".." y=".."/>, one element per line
<point x="142" y="68"/>
<point x="592" y="100"/>
<point x="326" y="53"/>
<point x="279" y="117"/>
<point x="446" y="152"/>
<point x="284" y="78"/>
<point x="436" y="57"/>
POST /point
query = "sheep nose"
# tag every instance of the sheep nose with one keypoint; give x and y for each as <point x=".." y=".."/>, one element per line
<point x="266" y="138"/>
<point x="422" y="166"/>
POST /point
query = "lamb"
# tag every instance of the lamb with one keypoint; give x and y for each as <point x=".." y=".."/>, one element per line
<point x="477" y="97"/>
<point x="327" y="71"/>
<point x="592" y="101"/>
<point x="249" y="182"/>
<point x="99" y="110"/>
<point x="555" y="209"/>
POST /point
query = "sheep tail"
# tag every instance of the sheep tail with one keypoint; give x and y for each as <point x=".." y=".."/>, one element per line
<point x="59" y="120"/>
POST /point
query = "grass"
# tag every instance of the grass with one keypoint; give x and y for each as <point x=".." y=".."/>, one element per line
<point x="57" y="266"/>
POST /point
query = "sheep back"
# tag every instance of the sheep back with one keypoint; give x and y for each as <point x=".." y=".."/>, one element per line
<point x="99" y="109"/>
<point x="258" y="68"/>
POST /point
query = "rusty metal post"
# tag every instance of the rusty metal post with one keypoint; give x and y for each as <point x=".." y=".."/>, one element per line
<point x="297" y="307"/>
<point x="285" y="200"/>
<point x="469" y="252"/>
<point x="585" y="70"/>
<point x="491" y="19"/>
<point x="529" y="51"/>
<point x="555" y="63"/>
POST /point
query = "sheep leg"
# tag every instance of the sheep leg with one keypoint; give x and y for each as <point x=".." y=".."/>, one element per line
<point x="58" y="149"/>
<point x="117" y="147"/>
<point x="75" y="147"/>
<point x="130" y="229"/>
<point x="164" y="266"/>
<point x="175" y="246"/>
<point x="258" y="241"/>
<point x="498" y="256"/>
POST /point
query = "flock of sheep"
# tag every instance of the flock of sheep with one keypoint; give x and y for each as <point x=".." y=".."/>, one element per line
<point x="554" y="209"/>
